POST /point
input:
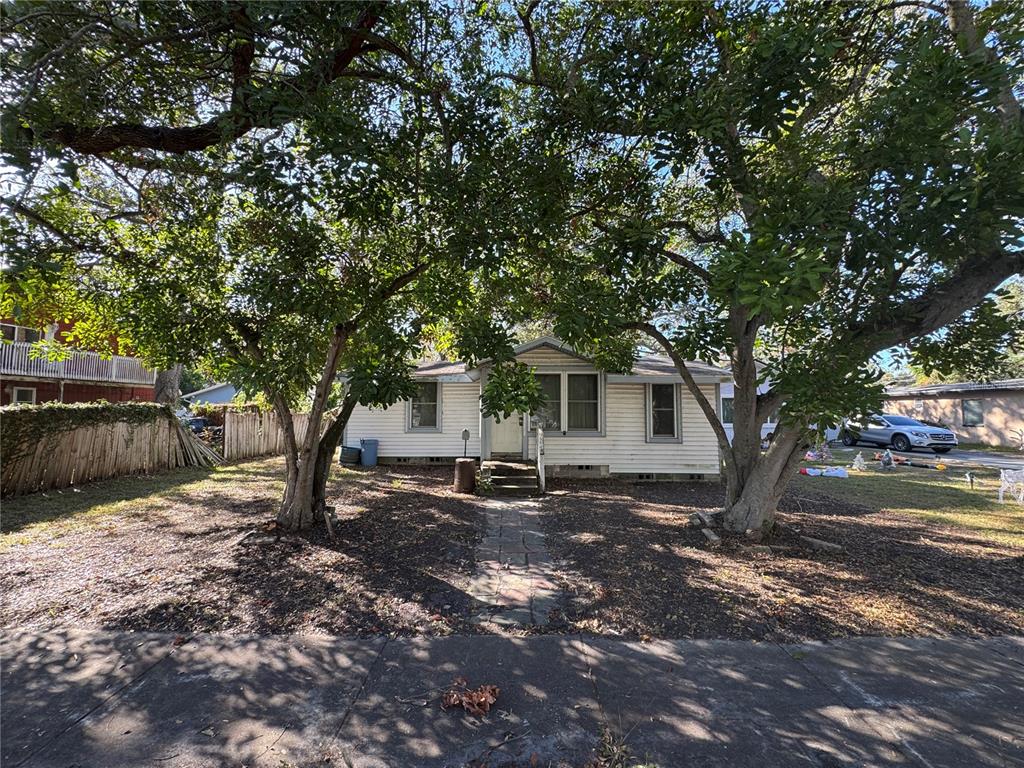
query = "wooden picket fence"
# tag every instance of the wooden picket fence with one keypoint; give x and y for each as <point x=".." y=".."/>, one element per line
<point x="97" y="451"/>
<point x="257" y="433"/>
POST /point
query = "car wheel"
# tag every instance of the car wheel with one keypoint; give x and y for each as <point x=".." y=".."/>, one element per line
<point x="849" y="440"/>
<point x="901" y="443"/>
<point x="942" y="450"/>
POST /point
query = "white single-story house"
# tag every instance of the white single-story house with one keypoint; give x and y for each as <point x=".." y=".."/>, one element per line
<point x="644" y="424"/>
<point x="215" y="394"/>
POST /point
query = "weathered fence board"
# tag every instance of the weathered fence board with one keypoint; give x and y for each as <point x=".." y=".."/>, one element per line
<point x="257" y="433"/>
<point x="66" y="457"/>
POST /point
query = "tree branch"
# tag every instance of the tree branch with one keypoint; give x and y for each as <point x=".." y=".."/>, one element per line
<point x="970" y="43"/>
<point x="709" y="410"/>
<point x="939" y="306"/>
<point x="231" y="124"/>
<point x="683" y="261"/>
<point x="524" y="17"/>
<point x="699" y="238"/>
<point x="382" y="294"/>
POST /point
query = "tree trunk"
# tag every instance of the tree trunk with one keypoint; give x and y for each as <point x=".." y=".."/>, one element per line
<point x="298" y="512"/>
<point x="753" y="490"/>
<point x="325" y="453"/>
<point x="167" y="388"/>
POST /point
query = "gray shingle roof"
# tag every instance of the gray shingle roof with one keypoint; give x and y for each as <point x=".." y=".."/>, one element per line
<point x="962" y="386"/>
<point x="646" y="365"/>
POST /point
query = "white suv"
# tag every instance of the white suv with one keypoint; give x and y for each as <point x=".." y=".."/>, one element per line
<point x="901" y="432"/>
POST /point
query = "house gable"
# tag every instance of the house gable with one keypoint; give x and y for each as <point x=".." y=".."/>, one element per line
<point x="548" y="352"/>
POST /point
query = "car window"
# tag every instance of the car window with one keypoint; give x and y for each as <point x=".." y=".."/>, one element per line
<point x="903" y="421"/>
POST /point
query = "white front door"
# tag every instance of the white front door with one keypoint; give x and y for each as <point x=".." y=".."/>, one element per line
<point x="507" y="435"/>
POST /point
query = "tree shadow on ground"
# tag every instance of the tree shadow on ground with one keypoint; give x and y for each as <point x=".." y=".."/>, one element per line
<point x="117" y="700"/>
<point x="634" y="566"/>
<point x="182" y="561"/>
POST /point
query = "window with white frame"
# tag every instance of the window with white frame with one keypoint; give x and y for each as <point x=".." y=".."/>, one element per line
<point x="425" y="407"/>
<point x="19" y="333"/>
<point x="582" y="402"/>
<point x="662" y="412"/>
<point x="727" y="410"/>
<point x="550" y="413"/>
<point x="23" y="395"/>
<point x="572" y="402"/>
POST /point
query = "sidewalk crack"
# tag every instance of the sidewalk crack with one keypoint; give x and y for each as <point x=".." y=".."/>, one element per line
<point x="99" y="705"/>
<point x="359" y="692"/>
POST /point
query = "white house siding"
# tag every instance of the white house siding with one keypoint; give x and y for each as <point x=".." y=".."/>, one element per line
<point x="624" y="447"/>
<point x="460" y="409"/>
<point x="546" y="357"/>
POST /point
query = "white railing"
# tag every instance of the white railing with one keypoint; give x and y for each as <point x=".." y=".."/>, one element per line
<point x="540" y="457"/>
<point x="16" y="359"/>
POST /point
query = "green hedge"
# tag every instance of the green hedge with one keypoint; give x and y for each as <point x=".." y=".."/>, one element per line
<point x="22" y="426"/>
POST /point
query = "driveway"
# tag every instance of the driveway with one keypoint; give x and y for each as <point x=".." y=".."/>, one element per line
<point x="957" y="456"/>
<point x="114" y="699"/>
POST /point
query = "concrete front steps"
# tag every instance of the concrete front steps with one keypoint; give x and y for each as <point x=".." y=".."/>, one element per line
<point x="512" y="478"/>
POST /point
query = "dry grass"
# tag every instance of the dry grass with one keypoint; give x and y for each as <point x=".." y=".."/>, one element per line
<point x="945" y="497"/>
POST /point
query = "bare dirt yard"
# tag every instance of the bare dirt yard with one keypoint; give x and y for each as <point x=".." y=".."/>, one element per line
<point x="186" y="552"/>
<point x="924" y="555"/>
<point x="167" y="553"/>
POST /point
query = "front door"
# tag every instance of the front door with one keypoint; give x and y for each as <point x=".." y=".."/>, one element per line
<point x="507" y="435"/>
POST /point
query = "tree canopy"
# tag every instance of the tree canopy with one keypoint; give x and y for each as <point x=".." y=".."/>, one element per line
<point x="792" y="189"/>
<point x="283" y="189"/>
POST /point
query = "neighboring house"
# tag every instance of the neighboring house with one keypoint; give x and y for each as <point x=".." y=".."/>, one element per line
<point x="82" y="377"/>
<point x="725" y="412"/>
<point x="989" y="414"/>
<point x="644" y="424"/>
<point x="215" y="394"/>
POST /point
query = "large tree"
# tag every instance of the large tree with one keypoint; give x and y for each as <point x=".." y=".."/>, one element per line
<point x="790" y="188"/>
<point x="277" y="192"/>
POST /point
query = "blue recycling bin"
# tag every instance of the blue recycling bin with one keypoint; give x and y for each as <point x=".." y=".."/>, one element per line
<point x="368" y="455"/>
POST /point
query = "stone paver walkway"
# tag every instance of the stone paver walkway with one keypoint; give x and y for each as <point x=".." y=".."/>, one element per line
<point x="513" y="576"/>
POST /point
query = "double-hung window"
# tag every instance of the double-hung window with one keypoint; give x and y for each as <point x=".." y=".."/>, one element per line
<point x="583" y="403"/>
<point x="662" y="413"/>
<point x="550" y="413"/>
<point x="425" y="407"/>
<point x="572" y="402"/>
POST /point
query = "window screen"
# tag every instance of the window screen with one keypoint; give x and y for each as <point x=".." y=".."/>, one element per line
<point x="663" y="410"/>
<point x="727" y="410"/>
<point x="582" y="400"/>
<point x="423" y="411"/>
<point x="23" y="395"/>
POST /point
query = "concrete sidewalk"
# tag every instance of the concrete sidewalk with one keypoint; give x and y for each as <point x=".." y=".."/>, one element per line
<point x="109" y="699"/>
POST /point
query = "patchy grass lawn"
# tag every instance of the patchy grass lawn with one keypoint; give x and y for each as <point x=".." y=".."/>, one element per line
<point x="945" y="498"/>
<point x="167" y="553"/>
<point x="923" y="556"/>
